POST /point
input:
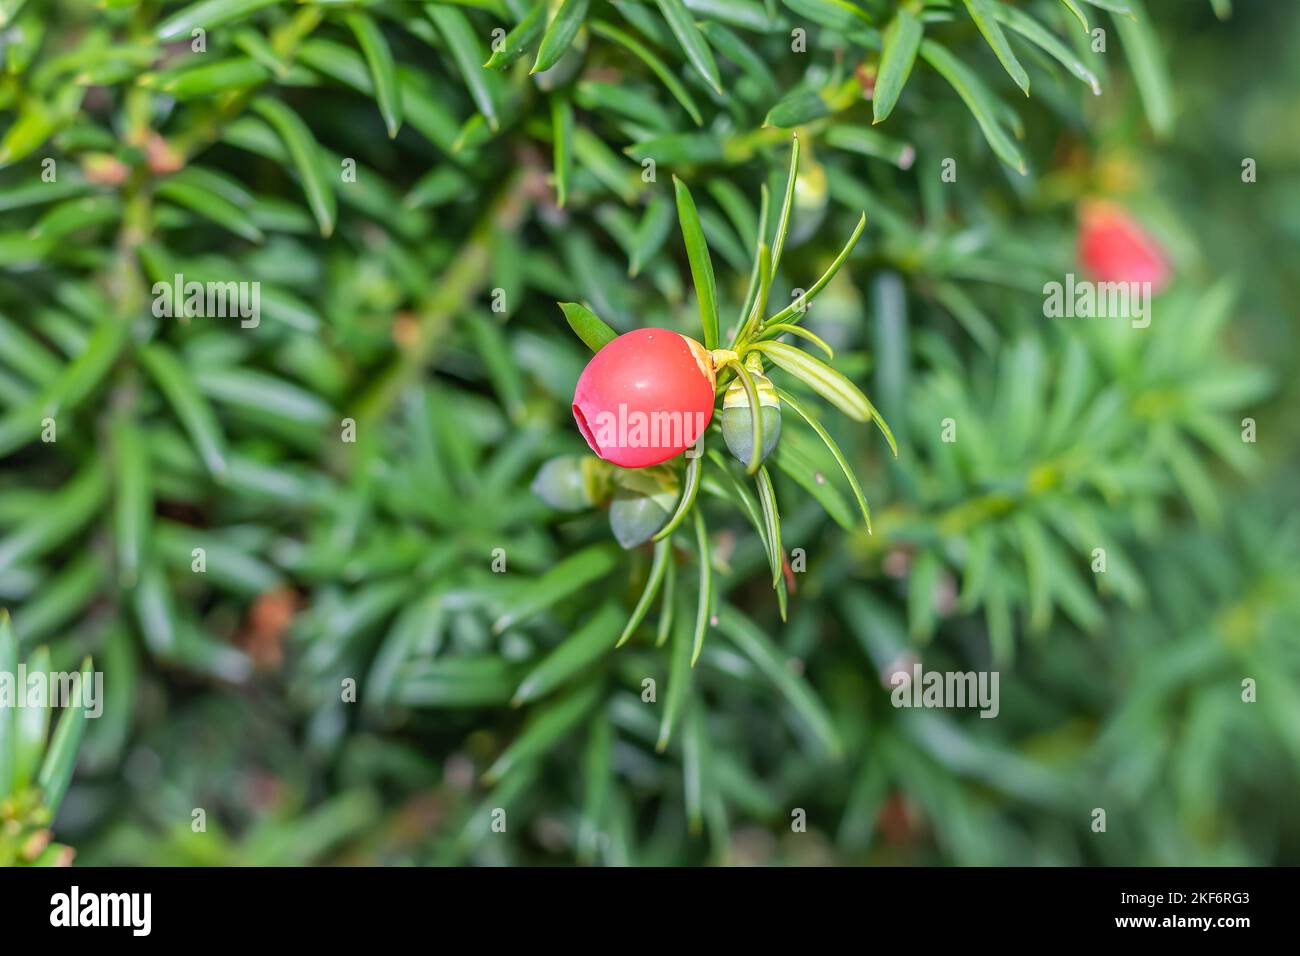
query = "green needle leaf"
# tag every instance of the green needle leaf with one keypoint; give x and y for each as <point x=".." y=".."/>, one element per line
<point x="191" y="408"/>
<point x="697" y="252"/>
<point x="838" y="15"/>
<point x="1121" y="7"/>
<point x="978" y="100"/>
<point x="568" y="577"/>
<point x="760" y="296"/>
<point x="562" y="145"/>
<point x="781" y="328"/>
<point x="733" y="48"/>
<point x="1077" y="12"/>
<point x="787" y="203"/>
<point x="587" y="325"/>
<point x="195" y="195"/>
<point x="209" y="79"/>
<point x="666" y="606"/>
<point x="794" y="404"/>
<point x="650" y="234"/>
<point x="307" y="159"/>
<point x="680" y="678"/>
<point x="552" y="724"/>
<point x="662" y="554"/>
<point x="703" y="609"/>
<point x="26" y="355"/>
<point x="8" y="739"/>
<point x="61" y="758"/>
<point x="694" y="749"/>
<point x="59" y="518"/>
<point x="797" y="109"/>
<point x="689" y="491"/>
<point x="133" y="499"/>
<point x="1150" y="72"/>
<point x="800" y="304"/>
<point x="518" y="40"/>
<point x="771" y="520"/>
<point x="901" y="40"/>
<point x="462" y="44"/>
<point x="1036" y="33"/>
<point x="984" y="13"/>
<point x="820" y="377"/>
<point x="769" y="659"/>
<point x="597" y="779"/>
<point x="656" y="65"/>
<point x="735" y="491"/>
<point x="1034" y="546"/>
<point x="31" y="727"/>
<point x="74" y="215"/>
<point x="587" y="645"/>
<point x="456" y="682"/>
<point x="382" y="68"/>
<point x="762" y="261"/>
<point x="559" y="34"/>
<point x="208" y="14"/>
<point x="692" y="41"/>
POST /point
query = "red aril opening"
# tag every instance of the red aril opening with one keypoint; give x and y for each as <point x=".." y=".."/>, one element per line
<point x="586" y="432"/>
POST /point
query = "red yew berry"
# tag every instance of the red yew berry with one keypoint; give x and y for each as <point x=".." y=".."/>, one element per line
<point x="1113" y="247"/>
<point x="645" y="397"/>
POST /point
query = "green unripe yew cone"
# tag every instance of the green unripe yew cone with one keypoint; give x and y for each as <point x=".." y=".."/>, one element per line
<point x="643" y="500"/>
<point x="634" y="518"/>
<point x="572" y="482"/>
<point x="737" y="418"/>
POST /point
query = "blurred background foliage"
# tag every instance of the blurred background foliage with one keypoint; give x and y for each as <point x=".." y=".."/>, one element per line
<point x="412" y="219"/>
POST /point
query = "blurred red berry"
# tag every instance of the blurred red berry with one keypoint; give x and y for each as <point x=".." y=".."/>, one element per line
<point x="645" y="397"/>
<point x="1113" y="247"/>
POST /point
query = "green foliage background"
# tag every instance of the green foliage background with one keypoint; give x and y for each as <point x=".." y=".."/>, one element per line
<point x="329" y="561"/>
